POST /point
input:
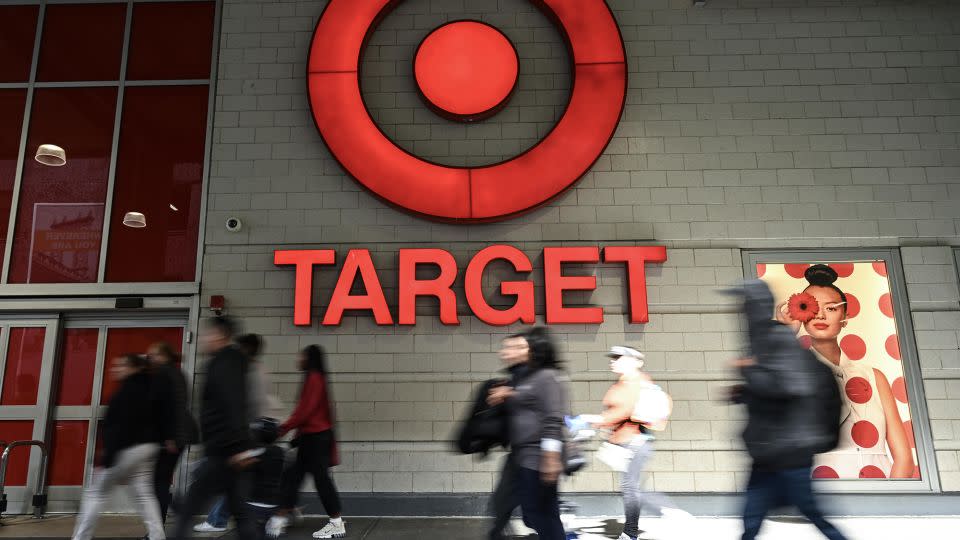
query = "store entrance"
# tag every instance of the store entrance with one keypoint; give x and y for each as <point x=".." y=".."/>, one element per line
<point x="54" y="376"/>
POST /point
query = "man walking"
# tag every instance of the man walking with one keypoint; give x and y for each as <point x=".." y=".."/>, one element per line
<point x="225" y="431"/>
<point x="789" y="401"/>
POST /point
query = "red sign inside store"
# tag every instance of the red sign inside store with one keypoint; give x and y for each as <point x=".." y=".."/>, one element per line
<point x="359" y="265"/>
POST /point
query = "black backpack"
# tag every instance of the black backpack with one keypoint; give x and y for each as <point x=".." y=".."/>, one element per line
<point x="828" y="405"/>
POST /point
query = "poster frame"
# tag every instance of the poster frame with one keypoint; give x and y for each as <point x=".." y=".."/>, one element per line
<point x="916" y="398"/>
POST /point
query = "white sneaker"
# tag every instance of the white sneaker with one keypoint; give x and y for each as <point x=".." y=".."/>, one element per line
<point x="623" y="536"/>
<point x="332" y="530"/>
<point x="276" y="526"/>
<point x="208" y="528"/>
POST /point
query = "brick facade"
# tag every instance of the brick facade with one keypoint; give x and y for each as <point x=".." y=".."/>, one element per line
<point x="749" y="124"/>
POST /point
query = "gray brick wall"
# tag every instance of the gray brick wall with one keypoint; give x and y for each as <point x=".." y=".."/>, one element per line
<point x="749" y="124"/>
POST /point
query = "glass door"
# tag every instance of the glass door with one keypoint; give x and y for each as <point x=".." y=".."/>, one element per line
<point x="83" y="389"/>
<point x="27" y="358"/>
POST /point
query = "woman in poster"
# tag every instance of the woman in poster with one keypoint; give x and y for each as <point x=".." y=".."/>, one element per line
<point x="870" y="416"/>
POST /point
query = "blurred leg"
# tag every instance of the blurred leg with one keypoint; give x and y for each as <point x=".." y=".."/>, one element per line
<point x="93" y="499"/>
<point x="761" y="492"/>
<point x="208" y="481"/>
<point x="504" y="499"/>
<point x="163" y="478"/>
<point x="142" y="486"/>
<point x="800" y="492"/>
<point x="219" y="516"/>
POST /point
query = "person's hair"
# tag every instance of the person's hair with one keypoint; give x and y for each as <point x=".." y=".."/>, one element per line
<point x="821" y="275"/>
<point x="543" y="353"/>
<point x="167" y="350"/>
<point x="137" y="361"/>
<point x="222" y="324"/>
<point x="314" y="359"/>
<point x="250" y="344"/>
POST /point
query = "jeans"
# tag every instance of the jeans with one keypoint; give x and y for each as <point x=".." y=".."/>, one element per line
<point x="634" y="496"/>
<point x="504" y="499"/>
<point x="213" y="477"/>
<point x="770" y="489"/>
<point x="163" y="479"/>
<point x="313" y="457"/>
<point x="219" y="515"/>
<point x="134" y="467"/>
<point x="541" y="507"/>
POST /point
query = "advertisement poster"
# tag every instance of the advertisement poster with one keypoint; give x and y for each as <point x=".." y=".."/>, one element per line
<point x="65" y="244"/>
<point x="843" y="312"/>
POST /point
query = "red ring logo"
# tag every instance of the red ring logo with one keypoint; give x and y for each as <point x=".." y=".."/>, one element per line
<point x="471" y="194"/>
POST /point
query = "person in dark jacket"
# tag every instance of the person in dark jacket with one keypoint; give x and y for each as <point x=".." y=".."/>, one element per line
<point x="225" y="430"/>
<point x="165" y="364"/>
<point x="132" y="429"/>
<point x="313" y="420"/>
<point x="536" y="405"/>
<point x="783" y="430"/>
<point x="505" y="498"/>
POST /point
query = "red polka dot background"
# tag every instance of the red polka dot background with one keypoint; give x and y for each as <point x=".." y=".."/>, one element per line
<point x="869" y="338"/>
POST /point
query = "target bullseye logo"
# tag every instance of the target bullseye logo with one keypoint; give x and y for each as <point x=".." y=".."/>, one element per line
<point x="466" y="71"/>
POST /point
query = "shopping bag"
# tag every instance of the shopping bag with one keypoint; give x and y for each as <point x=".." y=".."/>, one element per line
<point x="615" y="456"/>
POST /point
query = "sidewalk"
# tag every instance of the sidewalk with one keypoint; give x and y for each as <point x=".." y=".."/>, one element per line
<point x="873" y="528"/>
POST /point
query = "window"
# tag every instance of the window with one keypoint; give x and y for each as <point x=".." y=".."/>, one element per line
<point x="18" y="29"/>
<point x="82" y="42"/>
<point x="79" y="361"/>
<point x="171" y="41"/>
<point x="12" y="103"/>
<point x="60" y="216"/>
<point x="79" y="94"/>
<point x="21" y="376"/>
<point x="159" y="174"/>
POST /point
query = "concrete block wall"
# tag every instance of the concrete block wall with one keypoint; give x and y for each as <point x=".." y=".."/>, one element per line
<point x="749" y="124"/>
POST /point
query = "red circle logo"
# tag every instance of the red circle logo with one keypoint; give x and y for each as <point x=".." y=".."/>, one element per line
<point x="467" y="194"/>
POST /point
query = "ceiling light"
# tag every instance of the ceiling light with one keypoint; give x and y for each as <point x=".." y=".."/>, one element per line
<point x="174" y="208"/>
<point x="52" y="155"/>
<point x="135" y="220"/>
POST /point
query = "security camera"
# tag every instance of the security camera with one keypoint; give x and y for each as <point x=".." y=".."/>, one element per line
<point x="234" y="224"/>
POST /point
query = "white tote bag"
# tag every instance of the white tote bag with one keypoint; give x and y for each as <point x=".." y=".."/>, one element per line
<point x="615" y="456"/>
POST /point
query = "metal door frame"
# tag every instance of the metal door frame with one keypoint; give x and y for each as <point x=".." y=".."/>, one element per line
<point x="39" y="413"/>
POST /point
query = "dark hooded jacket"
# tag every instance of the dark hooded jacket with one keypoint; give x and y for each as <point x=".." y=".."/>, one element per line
<point x="787" y="411"/>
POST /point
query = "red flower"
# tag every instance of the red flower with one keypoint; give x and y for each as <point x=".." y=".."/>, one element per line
<point x="803" y="307"/>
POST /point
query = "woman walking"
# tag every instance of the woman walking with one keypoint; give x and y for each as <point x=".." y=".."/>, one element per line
<point x="137" y="420"/>
<point x="536" y="405"/>
<point x="313" y="420"/>
<point x="620" y="416"/>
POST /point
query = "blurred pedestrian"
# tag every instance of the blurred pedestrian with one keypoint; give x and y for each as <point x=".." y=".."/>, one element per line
<point x="505" y="498"/>
<point x="261" y="404"/>
<point x="633" y="407"/>
<point x="225" y="430"/>
<point x="536" y="405"/>
<point x="165" y="365"/>
<point x="267" y="473"/>
<point x="792" y="414"/>
<point x="137" y="420"/>
<point x="316" y="444"/>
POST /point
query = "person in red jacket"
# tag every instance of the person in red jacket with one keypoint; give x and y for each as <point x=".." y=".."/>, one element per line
<point x="313" y="420"/>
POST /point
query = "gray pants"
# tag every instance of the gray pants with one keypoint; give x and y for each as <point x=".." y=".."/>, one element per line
<point x="133" y="467"/>
<point x="634" y="496"/>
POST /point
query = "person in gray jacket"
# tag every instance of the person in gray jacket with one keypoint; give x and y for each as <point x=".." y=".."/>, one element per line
<point x="536" y="406"/>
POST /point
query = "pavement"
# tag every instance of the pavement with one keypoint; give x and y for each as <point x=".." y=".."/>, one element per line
<point x="869" y="528"/>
